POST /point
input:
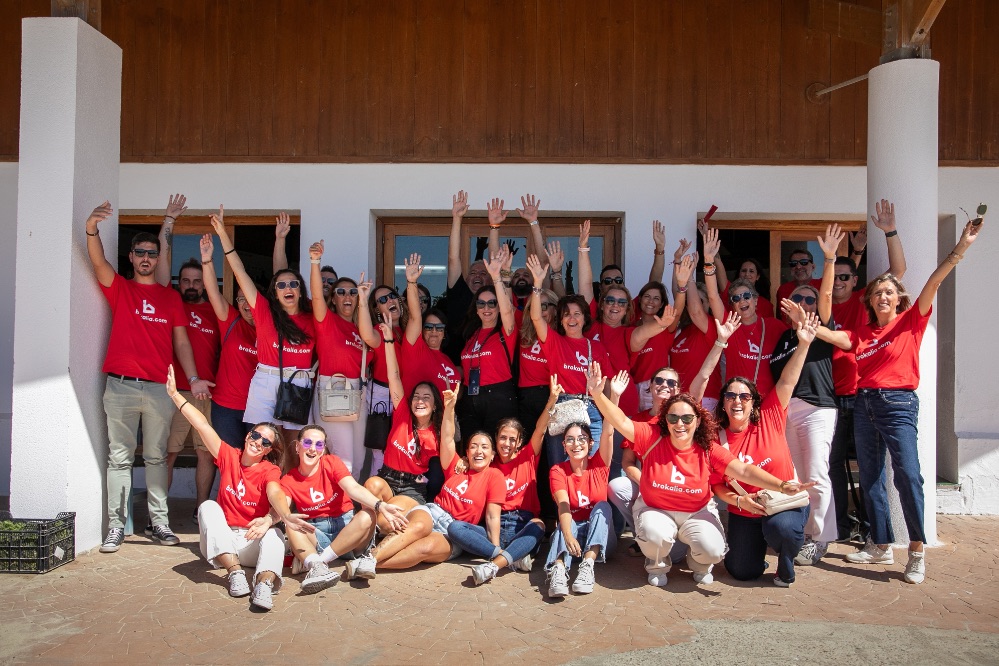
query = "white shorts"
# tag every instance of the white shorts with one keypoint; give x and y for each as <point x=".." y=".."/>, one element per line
<point x="263" y="396"/>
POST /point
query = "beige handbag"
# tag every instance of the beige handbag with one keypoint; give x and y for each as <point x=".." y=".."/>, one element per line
<point x="771" y="500"/>
<point x="337" y="400"/>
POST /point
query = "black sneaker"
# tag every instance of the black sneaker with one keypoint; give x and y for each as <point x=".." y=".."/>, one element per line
<point x="149" y="527"/>
<point x="165" y="535"/>
<point x="113" y="541"/>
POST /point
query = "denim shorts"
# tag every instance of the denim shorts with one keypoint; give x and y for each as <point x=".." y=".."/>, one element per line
<point x="327" y="527"/>
<point x="408" y="485"/>
<point x="442" y="519"/>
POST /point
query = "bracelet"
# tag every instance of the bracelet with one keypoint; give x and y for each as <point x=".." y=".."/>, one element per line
<point x="533" y="223"/>
<point x="229" y="252"/>
<point x="494" y="226"/>
<point x="377" y="506"/>
<point x="181" y="408"/>
<point x="893" y="232"/>
<point x="858" y="253"/>
<point x="659" y="253"/>
<point x="505" y="273"/>
<point x="412" y="281"/>
<point x="584" y="249"/>
<point x="169" y="217"/>
<point x="537" y="290"/>
<point x="954" y="258"/>
<point x="830" y="261"/>
<point x="387" y="340"/>
<point x="96" y="233"/>
<point x="719" y="343"/>
<point x="711" y="274"/>
<point x="781" y="486"/>
<point x="738" y="499"/>
<point x="551" y="412"/>
<point x="557" y="276"/>
<point x="682" y="289"/>
<point x="315" y="261"/>
<point x="708" y="263"/>
<point x="205" y="263"/>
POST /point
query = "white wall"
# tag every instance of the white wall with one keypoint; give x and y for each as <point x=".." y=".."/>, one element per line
<point x="8" y="261"/>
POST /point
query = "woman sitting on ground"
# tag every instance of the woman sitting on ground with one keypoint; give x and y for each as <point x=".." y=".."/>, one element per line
<point x="321" y="488"/>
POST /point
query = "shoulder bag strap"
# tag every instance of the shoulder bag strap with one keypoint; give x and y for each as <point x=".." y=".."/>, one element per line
<point x="759" y="357"/>
<point x="654" y="445"/>
<point x="723" y="440"/>
<point x="280" y="357"/>
<point x="229" y="330"/>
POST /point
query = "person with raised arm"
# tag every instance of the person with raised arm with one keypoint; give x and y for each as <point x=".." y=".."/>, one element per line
<point x="462" y="282"/>
<point x="887" y="407"/>
<point x="697" y="332"/>
<point x="422" y="358"/>
<point x="279" y="260"/>
<point x="283" y="317"/>
<point x="176" y="206"/>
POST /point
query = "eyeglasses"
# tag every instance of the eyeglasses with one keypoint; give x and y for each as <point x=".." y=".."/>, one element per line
<point x="391" y="296"/>
<point x="343" y="291"/>
<point x="731" y="395"/>
<point x="798" y="262"/>
<point x="290" y="284"/>
<point x="808" y="300"/>
<point x="329" y="281"/>
<point x="610" y="300"/>
<point x="844" y="277"/>
<point x="241" y="299"/>
<point x="141" y="252"/>
<point x="434" y="327"/>
<point x="582" y="439"/>
<point x="687" y="419"/>
<point x="318" y="444"/>
<point x="612" y="280"/>
<point x="546" y="306"/>
<point x="264" y="442"/>
<point x="482" y="305"/>
<point x="744" y="296"/>
<point x="659" y="381"/>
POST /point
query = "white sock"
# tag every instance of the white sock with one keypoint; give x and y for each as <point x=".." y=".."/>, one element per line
<point x="309" y="561"/>
<point x="327" y="555"/>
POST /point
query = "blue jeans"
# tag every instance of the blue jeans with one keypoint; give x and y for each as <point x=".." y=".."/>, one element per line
<point x="229" y="425"/>
<point x="327" y="528"/>
<point x="593" y="532"/>
<point x="748" y="539"/>
<point x="553" y="443"/>
<point x="885" y="420"/>
<point x="517" y="537"/>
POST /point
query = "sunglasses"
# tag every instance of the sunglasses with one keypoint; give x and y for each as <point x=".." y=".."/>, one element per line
<point x="329" y="281"/>
<point x="391" y="296"/>
<point x="546" y="306"/>
<point x="290" y="284"/>
<point x="844" y="277"/>
<point x="687" y="419"/>
<point x="798" y="262"/>
<point x="731" y="395"/>
<point x="582" y="439"/>
<point x="610" y="300"/>
<point x="808" y="300"/>
<point x="424" y="299"/>
<point x="264" y="442"/>
<point x="744" y="296"/>
<point x="343" y="291"/>
<point x="318" y="444"/>
<point x="659" y="381"/>
<point x="481" y="305"/>
<point x="140" y="252"/>
<point x="612" y="280"/>
<point x="434" y="327"/>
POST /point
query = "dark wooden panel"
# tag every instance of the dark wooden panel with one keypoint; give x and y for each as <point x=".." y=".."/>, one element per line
<point x="11" y="13"/>
<point x="694" y="78"/>
<point x="332" y="91"/>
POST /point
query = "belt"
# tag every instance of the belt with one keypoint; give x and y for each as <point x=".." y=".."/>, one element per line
<point x="123" y="378"/>
<point x="286" y="373"/>
<point x="576" y="396"/>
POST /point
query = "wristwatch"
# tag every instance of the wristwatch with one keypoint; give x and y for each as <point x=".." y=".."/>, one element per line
<point x="192" y="379"/>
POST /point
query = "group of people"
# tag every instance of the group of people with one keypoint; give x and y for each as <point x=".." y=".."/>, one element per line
<point x="511" y="404"/>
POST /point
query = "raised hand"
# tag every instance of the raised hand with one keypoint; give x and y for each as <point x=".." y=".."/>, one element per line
<point x="685" y="269"/>
<point x="459" y="204"/>
<point x="668" y="317"/>
<point x="858" y="240"/>
<point x="725" y="330"/>
<point x="413" y="268"/>
<point x="495" y="212"/>
<point x="620" y="383"/>
<point x="386" y="331"/>
<point x="176" y="206"/>
<point x="795" y="313"/>
<point x="495" y="264"/>
<point x="283" y="225"/>
<point x="100" y="214"/>
<point x="218" y="222"/>
<point x="584" y="234"/>
<point x="555" y="389"/>
<point x="512" y="249"/>
<point x="316" y="251"/>
<point x="831" y="241"/>
<point x="450" y="395"/>
<point x="537" y="270"/>
<point x="530" y="207"/>
<point x="885" y="218"/>
<point x="555" y="256"/>
<point x="808" y="327"/>
<point x="702" y="226"/>
<point x="594" y="379"/>
<point x="711" y="245"/>
<point x="207" y="248"/>
<point x="969" y="235"/>
<point x="658" y="235"/>
<point x="363" y="289"/>
<point x="681" y="250"/>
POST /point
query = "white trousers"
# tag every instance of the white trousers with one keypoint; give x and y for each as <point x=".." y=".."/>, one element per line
<point x="810" y="431"/>
<point x="217" y="538"/>
<point x="657" y="530"/>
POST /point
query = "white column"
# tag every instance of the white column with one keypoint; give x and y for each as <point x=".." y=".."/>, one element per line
<point x="902" y="167"/>
<point x="69" y="161"/>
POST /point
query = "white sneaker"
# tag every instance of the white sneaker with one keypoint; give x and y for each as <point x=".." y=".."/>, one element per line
<point x="806" y="556"/>
<point x="871" y="554"/>
<point x="297" y="566"/>
<point x="319" y="578"/>
<point x="584" y="578"/>
<point x="263" y="596"/>
<point x="780" y="582"/>
<point x="558" y="581"/>
<point x="657" y="577"/>
<point x="361" y="567"/>
<point x="483" y="573"/>
<point x="703" y="578"/>
<point x="915" y="569"/>
<point x="238" y="587"/>
<point x="525" y="564"/>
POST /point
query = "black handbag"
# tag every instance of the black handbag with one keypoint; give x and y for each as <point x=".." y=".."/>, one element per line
<point x="294" y="402"/>
<point x="379" y="425"/>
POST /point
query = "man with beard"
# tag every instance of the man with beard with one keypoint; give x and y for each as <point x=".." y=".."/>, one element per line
<point x="148" y="327"/>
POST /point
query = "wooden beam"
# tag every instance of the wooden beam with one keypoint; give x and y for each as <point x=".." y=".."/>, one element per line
<point x="907" y="26"/>
<point x="924" y="12"/>
<point x="86" y="10"/>
<point x="845" y="20"/>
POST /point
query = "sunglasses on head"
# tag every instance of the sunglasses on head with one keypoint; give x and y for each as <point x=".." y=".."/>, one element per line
<point x="798" y="262"/>
<point x="434" y="327"/>
<point x="424" y="299"/>
<point x="612" y="280"/>
<point x="687" y="419"/>
<point x="610" y="300"/>
<point x="264" y="442"/>
<point x="844" y="277"/>
<point x="481" y="304"/>
<point x="290" y="284"/>
<point x="141" y="252"/>
<point x="318" y="444"/>
<point x="744" y="296"/>
<point x="732" y="395"/>
<point x="329" y="281"/>
<point x="545" y="306"/>
<point x="659" y="381"/>
<point x="343" y="291"/>
<point x="808" y="300"/>
<point x="391" y="296"/>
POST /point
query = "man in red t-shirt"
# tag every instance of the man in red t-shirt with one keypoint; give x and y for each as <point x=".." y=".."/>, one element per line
<point x="147" y="326"/>
<point x="802" y="265"/>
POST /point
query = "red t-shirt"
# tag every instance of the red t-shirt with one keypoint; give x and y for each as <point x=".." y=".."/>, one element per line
<point x="237" y="362"/>
<point x="485" y="350"/>
<point x="400" y="450"/>
<point x="888" y="356"/>
<point x="617" y="342"/>
<point x="786" y="289"/>
<point x="651" y="357"/>
<point x="746" y="351"/>
<point x="419" y="363"/>
<point x="849" y="315"/>
<point x="319" y="494"/>
<point x="339" y="346"/>
<point x="466" y="495"/>
<point x="520" y="475"/>
<point x="584" y="490"/>
<point x="203" y="332"/>
<point x="533" y="366"/>
<point x="379" y="367"/>
<point x="243" y="490"/>
<point x="763" y="444"/>
<point x="143" y="317"/>
<point x="642" y="417"/>
<point x="764" y="308"/>
<point x="295" y="356"/>
<point x="690" y="347"/>
<point x="675" y="480"/>
<point x="568" y="358"/>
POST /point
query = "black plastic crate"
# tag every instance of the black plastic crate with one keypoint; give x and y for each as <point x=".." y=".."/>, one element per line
<point x="36" y="546"/>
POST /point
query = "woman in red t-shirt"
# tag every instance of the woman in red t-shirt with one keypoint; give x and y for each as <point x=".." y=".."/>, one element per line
<point x="320" y="487"/>
<point x="238" y="528"/>
<point x="285" y="315"/>
<point x="648" y="353"/>
<point x="696" y="332"/>
<point x="887" y="408"/>
<point x="466" y="496"/>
